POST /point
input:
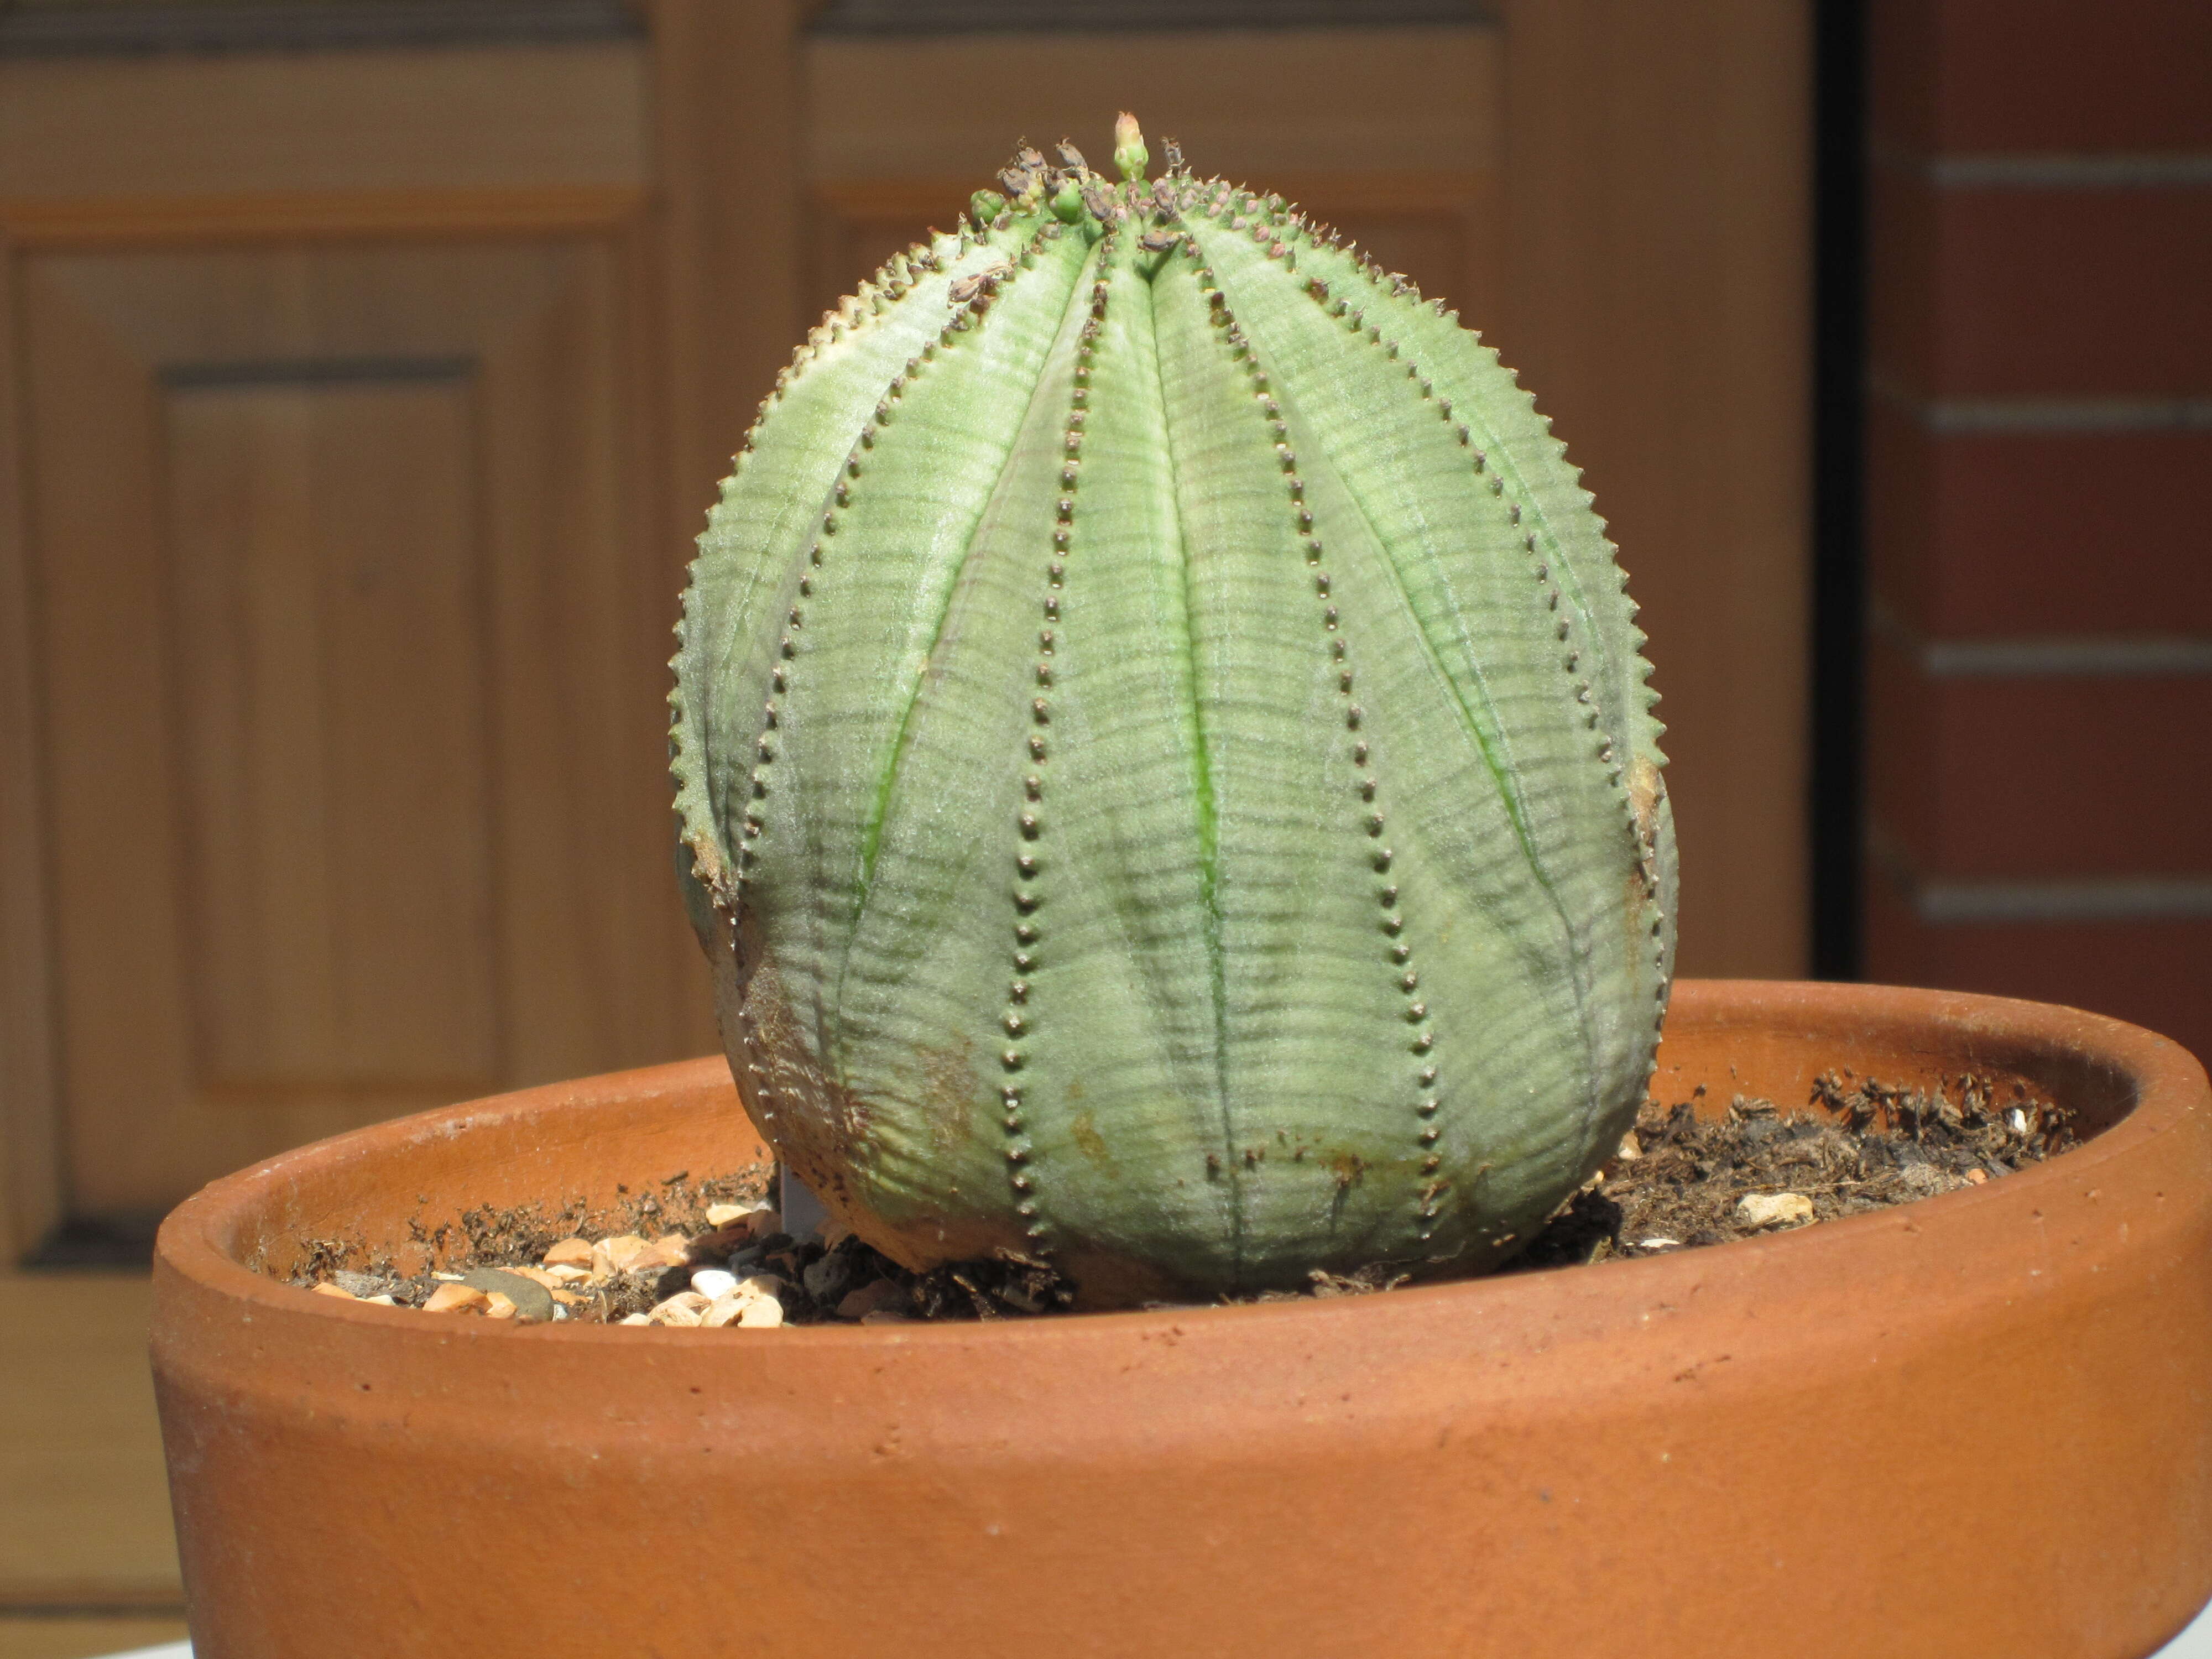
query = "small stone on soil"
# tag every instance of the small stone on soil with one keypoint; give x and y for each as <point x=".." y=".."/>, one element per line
<point x="873" y="1298"/>
<point x="570" y="1253"/>
<point x="713" y="1283"/>
<point x="363" y="1285"/>
<point x="456" y="1298"/>
<point x="524" y="1296"/>
<point x="1774" y="1210"/>
<point x="683" y="1309"/>
<point x="760" y="1313"/>
<point x="826" y="1280"/>
<point x="724" y="1311"/>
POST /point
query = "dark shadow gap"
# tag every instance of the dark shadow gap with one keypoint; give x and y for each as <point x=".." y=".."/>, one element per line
<point x="1835" y="780"/>
<point x="111" y="1243"/>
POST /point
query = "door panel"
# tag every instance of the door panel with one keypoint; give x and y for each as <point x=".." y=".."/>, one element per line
<point x="352" y="706"/>
<point x="335" y="748"/>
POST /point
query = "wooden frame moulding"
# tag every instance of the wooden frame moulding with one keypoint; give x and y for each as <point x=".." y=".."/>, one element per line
<point x="95" y="224"/>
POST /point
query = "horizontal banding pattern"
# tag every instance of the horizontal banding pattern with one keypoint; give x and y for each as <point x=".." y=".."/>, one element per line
<point x="1399" y="951"/>
<point x="971" y="297"/>
<point x="1041" y="808"/>
<point x="1570" y="643"/>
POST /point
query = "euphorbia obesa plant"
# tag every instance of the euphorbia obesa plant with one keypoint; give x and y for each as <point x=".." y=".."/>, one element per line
<point x="1165" y="775"/>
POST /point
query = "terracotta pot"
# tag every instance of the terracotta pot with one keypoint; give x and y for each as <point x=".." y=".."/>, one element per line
<point x="1980" y="1424"/>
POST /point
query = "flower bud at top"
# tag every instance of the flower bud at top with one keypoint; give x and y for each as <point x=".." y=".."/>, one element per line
<point x="1129" y="153"/>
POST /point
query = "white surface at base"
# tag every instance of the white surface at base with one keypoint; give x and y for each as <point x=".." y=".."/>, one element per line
<point x="2195" y="1642"/>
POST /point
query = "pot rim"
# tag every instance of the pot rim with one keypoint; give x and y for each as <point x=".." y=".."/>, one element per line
<point x="2166" y="1085"/>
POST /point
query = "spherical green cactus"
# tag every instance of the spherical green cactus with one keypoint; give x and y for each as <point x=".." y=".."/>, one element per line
<point x="1165" y="776"/>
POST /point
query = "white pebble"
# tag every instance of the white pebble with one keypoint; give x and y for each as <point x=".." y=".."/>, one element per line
<point x="713" y="1283"/>
<point x="724" y="1312"/>
<point x="685" y="1307"/>
<point x="1774" y="1210"/>
<point x="2019" y="1121"/>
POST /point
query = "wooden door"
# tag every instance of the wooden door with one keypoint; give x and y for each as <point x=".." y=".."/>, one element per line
<point x="350" y="655"/>
<point x="334" y="589"/>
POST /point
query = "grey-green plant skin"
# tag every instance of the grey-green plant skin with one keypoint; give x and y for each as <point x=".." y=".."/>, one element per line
<point x="1165" y="773"/>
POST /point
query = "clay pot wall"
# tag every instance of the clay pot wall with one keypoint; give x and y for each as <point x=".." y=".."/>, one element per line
<point x="1976" y="1424"/>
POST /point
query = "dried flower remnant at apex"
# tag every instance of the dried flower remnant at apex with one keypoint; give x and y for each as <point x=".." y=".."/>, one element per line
<point x="1167" y="780"/>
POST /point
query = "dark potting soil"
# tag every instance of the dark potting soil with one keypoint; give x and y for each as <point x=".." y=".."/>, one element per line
<point x="1679" y="1182"/>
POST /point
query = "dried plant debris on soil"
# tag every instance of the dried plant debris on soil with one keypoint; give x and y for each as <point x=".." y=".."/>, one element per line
<point x="1681" y="1180"/>
<point x="714" y="1253"/>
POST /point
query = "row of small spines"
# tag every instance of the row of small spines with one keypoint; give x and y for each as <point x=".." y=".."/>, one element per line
<point x="1275" y="223"/>
<point x="1270" y="222"/>
<point x="1017" y="1015"/>
<point x="1279" y="230"/>
<point x="972" y="298"/>
<point x="1025" y="930"/>
<point x="1396" y="951"/>
<point x="894" y="281"/>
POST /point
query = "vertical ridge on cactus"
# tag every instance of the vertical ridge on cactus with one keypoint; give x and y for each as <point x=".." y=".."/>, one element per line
<point x="1165" y="773"/>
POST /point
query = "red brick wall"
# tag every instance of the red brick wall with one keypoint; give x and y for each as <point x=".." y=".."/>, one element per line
<point x="2040" y="503"/>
